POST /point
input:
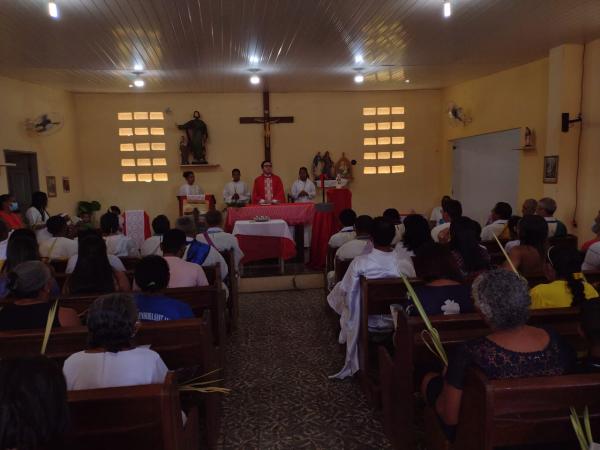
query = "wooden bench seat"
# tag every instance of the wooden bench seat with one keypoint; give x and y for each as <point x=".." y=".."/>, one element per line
<point x="146" y="417"/>
<point x="180" y="343"/>
<point x="398" y="384"/>
<point x="524" y="411"/>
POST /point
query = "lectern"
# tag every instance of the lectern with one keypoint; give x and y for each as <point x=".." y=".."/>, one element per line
<point x="203" y="203"/>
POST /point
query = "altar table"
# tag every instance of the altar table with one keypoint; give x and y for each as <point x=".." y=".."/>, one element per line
<point x="291" y="213"/>
<point x="265" y="240"/>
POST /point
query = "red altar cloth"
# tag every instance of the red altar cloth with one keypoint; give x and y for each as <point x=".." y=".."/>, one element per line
<point x="341" y="199"/>
<point x="292" y="213"/>
<point x="256" y="248"/>
<point x="324" y="226"/>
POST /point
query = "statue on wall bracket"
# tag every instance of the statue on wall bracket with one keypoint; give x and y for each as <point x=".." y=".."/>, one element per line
<point x="196" y="135"/>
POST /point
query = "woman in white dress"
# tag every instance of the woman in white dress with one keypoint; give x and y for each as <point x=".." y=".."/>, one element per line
<point x="303" y="189"/>
<point x="37" y="215"/>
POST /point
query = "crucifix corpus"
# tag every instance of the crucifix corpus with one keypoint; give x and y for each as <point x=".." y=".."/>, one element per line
<point x="266" y="120"/>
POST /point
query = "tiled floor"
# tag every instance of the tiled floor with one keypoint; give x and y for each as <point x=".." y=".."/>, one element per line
<point x="277" y="366"/>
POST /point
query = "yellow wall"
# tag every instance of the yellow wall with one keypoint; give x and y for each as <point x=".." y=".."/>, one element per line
<point x="323" y="121"/>
<point x="57" y="153"/>
<point x="513" y="98"/>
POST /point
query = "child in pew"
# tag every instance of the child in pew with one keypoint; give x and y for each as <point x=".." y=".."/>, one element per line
<point x="590" y="330"/>
<point x="347" y="218"/>
<point x="33" y="401"/>
<point x="512" y="350"/>
<point x="444" y="293"/>
<point x="152" y="277"/>
<point x="30" y="283"/>
<point x="567" y="286"/>
<point x="111" y="360"/>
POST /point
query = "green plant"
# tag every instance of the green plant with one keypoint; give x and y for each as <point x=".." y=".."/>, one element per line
<point x="84" y="207"/>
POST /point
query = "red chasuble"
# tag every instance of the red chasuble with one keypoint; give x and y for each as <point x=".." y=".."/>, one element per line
<point x="262" y="190"/>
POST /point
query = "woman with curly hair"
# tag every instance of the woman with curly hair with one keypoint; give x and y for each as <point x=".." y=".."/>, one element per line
<point x="512" y="350"/>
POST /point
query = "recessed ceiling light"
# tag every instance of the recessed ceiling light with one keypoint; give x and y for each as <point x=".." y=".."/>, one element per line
<point x="359" y="79"/>
<point x="407" y="81"/>
<point x="358" y="59"/>
<point x="138" y="67"/>
<point x="254" y="79"/>
<point x="139" y="83"/>
<point x="254" y="59"/>
<point x="53" y="10"/>
<point x="131" y="85"/>
<point x="447" y="8"/>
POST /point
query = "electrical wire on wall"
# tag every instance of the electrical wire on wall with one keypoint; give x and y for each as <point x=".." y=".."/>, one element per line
<point x="574" y="220"/>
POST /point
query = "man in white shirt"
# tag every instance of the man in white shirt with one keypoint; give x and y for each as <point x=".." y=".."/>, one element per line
<point x="116" y="243"/>
<point x="452" y="209"/>
<point x="189" y="188"/>
<point x="236" y="191"/>
<point x="151" y="246"/>
<point x="211" y="257"/>
<point x="437" y="217"/>
<point x="529" y="207"/>
<point x="303" y="189"/>
<point x="58" y="246"/>
<point x="182" y="273"/>
<point x="500" y="216"/>
<point x="347" y="218"/>
<point x="381" y="262"/>
<point x="218" y="238"/>
<point x="393" y="216"/>
<point x="546" y="208"/>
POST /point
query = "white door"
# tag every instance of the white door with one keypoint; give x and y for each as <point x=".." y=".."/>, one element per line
<point x="486" y="171"/>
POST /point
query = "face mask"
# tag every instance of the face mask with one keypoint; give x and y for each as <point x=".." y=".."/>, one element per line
<point x="595" y="228"/>
<point x="14" y="206"/>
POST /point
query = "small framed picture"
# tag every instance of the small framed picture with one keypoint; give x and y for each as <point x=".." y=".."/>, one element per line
<point x="550" y="169"/>
<point x="51" y="186"/>
<point x="66" y="185"/>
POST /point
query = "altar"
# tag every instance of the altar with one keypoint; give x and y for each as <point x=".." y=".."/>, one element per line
<point x="295" y="214"/>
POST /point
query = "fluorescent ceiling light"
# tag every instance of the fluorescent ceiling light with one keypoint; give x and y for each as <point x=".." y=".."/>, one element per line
<point x="53" y="10"/>
<point x="447" y="8"/>
<point x="139" y="83"/>
<point x="358" y="59"/>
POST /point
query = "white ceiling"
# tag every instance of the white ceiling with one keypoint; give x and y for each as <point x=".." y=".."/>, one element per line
<point x="303" y="45"/>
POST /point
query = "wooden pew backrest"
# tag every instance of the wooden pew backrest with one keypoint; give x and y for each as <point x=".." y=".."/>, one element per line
<point x="147" y="417"/>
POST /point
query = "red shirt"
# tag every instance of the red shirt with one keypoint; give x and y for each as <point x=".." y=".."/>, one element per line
<point x="13" y="220"/>
<point x="258" y="191"/>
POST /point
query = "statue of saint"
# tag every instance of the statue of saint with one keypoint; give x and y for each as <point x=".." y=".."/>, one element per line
<point x="184" y="151"/>
<point x="343" y="168"/>
<point x="328" y="167"/>
<point x="317" y="165"/>
<point x="197" y="134"/>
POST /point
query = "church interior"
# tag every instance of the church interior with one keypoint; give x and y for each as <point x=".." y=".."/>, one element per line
<point x="210" y="207"/>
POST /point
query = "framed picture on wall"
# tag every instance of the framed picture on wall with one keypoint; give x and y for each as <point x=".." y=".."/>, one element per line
<point x="51" y="186"/>
<point x="66" y="185"/>
<point x="550" y="169"/>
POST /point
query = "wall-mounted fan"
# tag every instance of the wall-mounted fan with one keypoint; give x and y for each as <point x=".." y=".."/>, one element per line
<point x="458" y="115"/>
<point x="45" y="124"/>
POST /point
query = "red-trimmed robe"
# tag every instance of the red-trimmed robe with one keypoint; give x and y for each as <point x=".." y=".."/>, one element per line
<point x="258" y="191"/>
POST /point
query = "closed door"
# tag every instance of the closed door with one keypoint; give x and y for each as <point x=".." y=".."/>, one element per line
<point x="23" y="176"/>
<point x="486" y="171"/>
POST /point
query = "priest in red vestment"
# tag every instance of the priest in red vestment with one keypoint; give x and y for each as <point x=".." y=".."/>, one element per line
<point x="268" y="187"/>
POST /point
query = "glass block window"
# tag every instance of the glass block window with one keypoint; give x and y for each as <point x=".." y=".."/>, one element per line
<point x="382" y="140"/>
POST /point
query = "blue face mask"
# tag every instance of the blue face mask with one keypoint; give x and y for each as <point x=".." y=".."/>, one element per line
<point x="14" y="206"/>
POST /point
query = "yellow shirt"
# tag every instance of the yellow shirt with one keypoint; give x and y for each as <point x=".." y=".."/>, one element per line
<point x="557" y="295"/>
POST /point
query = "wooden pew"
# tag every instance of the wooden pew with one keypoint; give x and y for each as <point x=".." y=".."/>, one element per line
<point x="180" y="343"/>
<point x="341" y="267"/>
<point x="329" y="262"/>
<point x="125" y="418"/>
<point x="569" y="240"/>
<point x="513" y="412"/>
<point x="397" y="372"/>
<point x="376" y="298"/>
<point x="234" y="291"/>
<point x="129" y="262"/>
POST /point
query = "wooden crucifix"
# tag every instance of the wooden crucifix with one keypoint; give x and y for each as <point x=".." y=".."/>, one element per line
<point x="266" y="120"/>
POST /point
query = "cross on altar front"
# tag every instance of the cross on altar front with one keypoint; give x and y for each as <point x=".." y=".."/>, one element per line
<point x="266" y="120"/>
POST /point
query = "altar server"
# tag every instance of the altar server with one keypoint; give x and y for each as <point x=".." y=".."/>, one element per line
<point x="303" y="189"/>
<point x="268" y="187"/>
<point x="236" y="191"/>
<point x="381" y="262"/>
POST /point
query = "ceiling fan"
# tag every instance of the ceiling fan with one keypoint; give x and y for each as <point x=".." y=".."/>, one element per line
<point x="457" y="115"/>
<point x="45" y="124"/>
